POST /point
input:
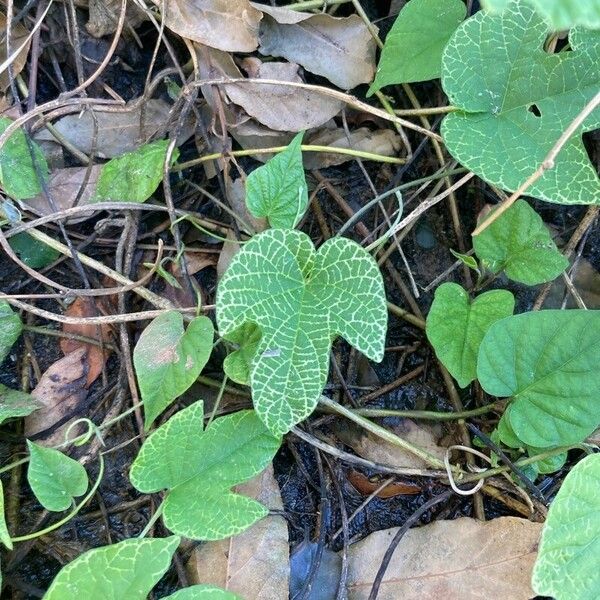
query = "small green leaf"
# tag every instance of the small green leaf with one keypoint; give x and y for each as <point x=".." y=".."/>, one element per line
<point x="18" y="175"/>
<point x="168" y="359"/>
<point x="202" y="592"/>
<point x="301" y="299"/>
<point x="134" y="176"/>
<point x="10" y="329"/>
<point x="14" y="403"/>
<point x="127" y="570"/>
<point x="413" y="47"/>
<point x="550" y="464"/>
<point x="549" y="363"/>
<point x="516" y="100"/>
<point x="200" y="468"/>
<point x="559" y="14"/>
<point x="55" y="479"/>
<point x="456" y="326"/>
<point x="32" y="252"/>
<point x="4" y="534"/>
<point x="277" y="190"/>
<point x="466" y="260"/>
<point x="238" y="364"/>
<point x="567" y="563"/>
<point x="520" y="244"/>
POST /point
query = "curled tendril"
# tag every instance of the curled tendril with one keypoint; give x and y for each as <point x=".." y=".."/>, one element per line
<point x="84" y="438"/>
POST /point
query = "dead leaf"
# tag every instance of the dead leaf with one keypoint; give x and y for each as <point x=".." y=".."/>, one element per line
<point x="229" y="25"/>
<point x="18" y="35"/>
<point x="230" y="248"/>
<point x="327" y="578"/>
<point x="253" y="564"/>
<point x="464" y="558"/>
<point x="363" y="485"/>
<point x="104" y="16"/>
<point x="586" y="280"/>
<point x="383" y="141"/>
<point x="96" y="357"/>
<point x="339" y="48"/>
<point x="251" y="134"/>
<point x="61" y="389"/>
<point x="236" y="196"/>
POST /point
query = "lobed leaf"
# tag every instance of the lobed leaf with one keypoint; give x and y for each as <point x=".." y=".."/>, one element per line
<point x="168" y="359"/>
<point x="519" y="243"/>
<point x="567" y="562"/>
<point x="456" y="325"/>
<point x="199" y="468"/>
<point x="549" y="363"/>
<point x="126" y="570"/>
<point x="301" y="299"/>
<point x="515" y="100"/>
<point x="10" y="329"/>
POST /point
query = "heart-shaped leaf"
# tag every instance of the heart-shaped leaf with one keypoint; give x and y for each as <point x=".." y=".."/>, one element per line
<point x="515" y="100"/>
<point x="456" y="325"/>
<point x="55" y="479"/>
<point x="168" y="359"/>
<point x="301" y="300"/>
<point x="4" y="534"/>
<point x="134" y="176"/>
<point x="200" y="468"/>
<point x="127" y="570"/>
<point x="14" y="403"/>
<point x="277" y="190"/>
<point x="238" y="364"/>
<point x="10" y="329"/>
<point x="413" y="47"/>
<point x="567" y="562"/>
<point x="519" y="243"/>
<point x="202" y="592"/>
<point x="549" y="363"/>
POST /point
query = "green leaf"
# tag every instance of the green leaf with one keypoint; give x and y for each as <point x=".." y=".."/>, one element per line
<point x="519" y="243"/>
<point x="4" y="534"/>
<point x="134" y="176"/>
<point x="127" y="570"/>
<point x="301" y="300"/>
<point x="466" y="260"/>
<point x="550" y="464"/>
<point x="32" y="252"/>
<point x="496" y="71"/>
<point x="14" y="403"/>
<point x="549" y="363"/>
<point x="202" y="592"/>
<point x="567" y="563"/>
<point x="277" y="190"/>
<point x="456" y="325"/>
<point x="55" y="479"/>
<point x="168" y="359"/>
<point x="199" y="469"/>
<point x="559" y="14"/>
<point x="10" y="329"/>
<point x="238" y="364"/>
<point x="413" y="47"/>
<point x="17" y="172"/>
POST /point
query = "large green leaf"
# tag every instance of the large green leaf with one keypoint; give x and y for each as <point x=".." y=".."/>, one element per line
<point x="199" y="469"/>
<point x="202" y="592"/>
<point x="4" y="534"/>
<point x="134" y="176"/>
<point x="10" y="329"/>
<point x="413" y="47"/>
<point x="456" y="325"/>
<point x="127" y="570"/>
<point x="31" y="251"/>
<point x="520" y="244"/>
<point x="495" y="70"/>
<point x="549" y="363"/>
<point x="168" y="359"/>
<point x="14" y="403"/>
<point x="567" y="562"/>
<point x="301" y="300"/>
<point x="559" y="14"/>
<point x="277" y="190"/>
<point x="55" y="478"/>
<point x="18" y="175"/>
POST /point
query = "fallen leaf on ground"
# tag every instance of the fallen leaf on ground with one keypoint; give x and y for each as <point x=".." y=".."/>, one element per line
<point x="96" y="357"/>
<point x="327" y="578"/>
<point x="230" y="248"/>
<point x="104" y="17"/>
<point x="255" y="563"/>
<point x="61" y="389"/>
<point x="464" y="558"/>
<point x="251" y="134"/>
<point x="18" y="35"/>
<point x="339" y="48"/>
<point x="363" y="485"/>
<point x="586" y="281"/>
<point x="230" y="25"/>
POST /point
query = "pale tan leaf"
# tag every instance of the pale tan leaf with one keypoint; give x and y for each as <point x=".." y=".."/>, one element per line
<point x="104" y="16"/>
<point x="252" y="134"/>
<point x="338" y="48"/>
<point x="17" y="37"/>
<point x="236" y="196"/>
<point x="230" y="25"/>
<point x="254" y="564"/>
<point x="464" y="558"/>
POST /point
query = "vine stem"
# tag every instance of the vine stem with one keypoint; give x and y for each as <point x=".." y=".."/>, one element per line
<point x="428" y="415"/>
<point x="157" y="513"/>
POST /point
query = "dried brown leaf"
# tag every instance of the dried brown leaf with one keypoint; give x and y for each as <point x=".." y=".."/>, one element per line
<point x="104" y="16"/>
<point x="464" y="558"/>
<point x="18" y="34"/>
<point x="365" y="486"/>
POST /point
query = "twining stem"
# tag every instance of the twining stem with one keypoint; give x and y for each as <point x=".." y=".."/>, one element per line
<point x="404" y="314"/>
<point x="309" y="4"/>
<point x="428" y="415"/>
<point x="157" y="513"/>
